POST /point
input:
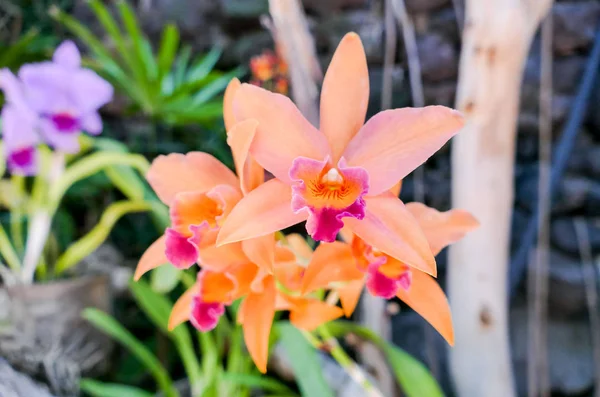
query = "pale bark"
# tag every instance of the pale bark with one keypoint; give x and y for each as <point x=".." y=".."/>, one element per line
<point x="496" y="39"/>
<point x="290" y="32"/>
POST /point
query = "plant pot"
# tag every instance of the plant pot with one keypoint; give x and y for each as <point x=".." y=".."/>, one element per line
<point x="43" y="334"/>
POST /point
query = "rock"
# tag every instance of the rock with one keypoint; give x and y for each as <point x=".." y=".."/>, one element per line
<point x="15" y="384"/>
<point x="527" y="146"/>
<point x="575" y="193"/>
<point x="575" y="25"/>
<point x="442" y="93"/>
<point x="443" y="22"/>
<point x="438" y="57"/>
<point x="569" y="344"/>
<point x="325" y="8"/>
<point x="566" y="288"/>
<point x="241" y="50"/>
<point x="437" y="189"/>
<point x="593" y="163"/>
<point x="413" y="334"/>
<point x="567" y="73"/>
<point x="561" y="106"/>
<point x="245" y="9"/>
<point x="400" y="90"/>
<point x="367" y="24"/>
<point x="582" y="160"/>
<point x="565" y="238"/>
<point x="418" y="6"/>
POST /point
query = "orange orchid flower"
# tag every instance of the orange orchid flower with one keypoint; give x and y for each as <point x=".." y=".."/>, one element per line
<point x="358" y="264"/>
<point x="341" y="174"/>
<point x="200" y="192"/>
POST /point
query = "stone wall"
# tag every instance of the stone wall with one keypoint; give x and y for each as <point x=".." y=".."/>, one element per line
<point x="235" y="24"/>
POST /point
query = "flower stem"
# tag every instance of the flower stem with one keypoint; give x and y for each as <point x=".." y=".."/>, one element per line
<point x="343" y="359"/>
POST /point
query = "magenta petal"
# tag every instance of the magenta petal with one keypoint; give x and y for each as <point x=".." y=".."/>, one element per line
<point x="380" y="285"/>
<point x="180" y="252"/>
<point x="23" y="161"/>
<point x="325" y="223"/>
<point x="405" y="280"/>
<point x="205" y="316"/>
<point x="327" y="209"/>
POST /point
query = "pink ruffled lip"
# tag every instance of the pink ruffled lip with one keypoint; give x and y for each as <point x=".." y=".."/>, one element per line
<point x="329" y="194"/>
<point x="179" y="251"/>
<point x="205" y="315"/>
<point x="386" y="287"/>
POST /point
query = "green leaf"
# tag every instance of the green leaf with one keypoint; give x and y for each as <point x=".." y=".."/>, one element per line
<point x="158" y="309"/>
<point x="168" y="48"/>
<point x="181" y="65"/>
<point x="14" y="51"/>
<point x="304" y="362"/>
<point x="111" y="327"/>
<point x="101" y="389"/>
<point x="164" y="279"/>
<point x="214" y="88"/>
<point x="205" y="65"/>
<point x="141" y="46"/>
<point x="260" y="382"/>
<point x="412" y="375"/>
<point x="111" y="27"/>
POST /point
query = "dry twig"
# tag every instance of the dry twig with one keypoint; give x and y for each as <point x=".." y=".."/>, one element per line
<point x="537" y="369"/>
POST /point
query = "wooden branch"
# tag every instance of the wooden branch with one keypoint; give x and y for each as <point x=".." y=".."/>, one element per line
<point x="373" y="313"/>
<point x="496" y="39"/>
<point x="290" y="30"/>
<point x="537" y="366"/>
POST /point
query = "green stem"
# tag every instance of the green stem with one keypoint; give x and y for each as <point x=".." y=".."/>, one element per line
<point x="90" y="165"/>
<point x="16" y="214"/>
<point x="346" y="362"/>
<point x="92" y="240"/>
<point x="7" y="251"/>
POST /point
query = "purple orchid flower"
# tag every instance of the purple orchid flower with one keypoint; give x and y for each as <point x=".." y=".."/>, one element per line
<point x="19" y="126"/>
<point x="65" y="96"/>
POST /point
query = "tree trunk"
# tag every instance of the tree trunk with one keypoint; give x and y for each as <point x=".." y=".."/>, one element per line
<point x="496" y="40"/>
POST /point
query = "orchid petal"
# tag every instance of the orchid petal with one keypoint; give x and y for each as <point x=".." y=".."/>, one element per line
<point x="312" y="313"/>
<point x="182" y="308"/>
<point x="180" y="252"/>
<point x="67" y="55"/>
<point x="395" y="142"/>
<point x="299" y="246"/>
<point x="349" y="294"/>
<point x="283" y="134"/>
<point x="228" y="115"/>
<point x="89" y="91"/>
<point x="345" y="94"/>
<point x="91" y="123"/>
<point x="391" y="228"/>
<point x="263" y="211"/>
<point x="239" y="138"/>
<point x="152" y="258"/>
<point x="204" y="315"/>
<point x="330" y="263"/>
<point x="427" y="298"/>
<point x="195" y="171"/>
<point x="66" y="142"/>
<point x="213" y="258"/>
<point x="257" y="315"/>
<point x="395" y="190"/>
<point x="261" y="251"/>
<point x="442" y="228"/>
